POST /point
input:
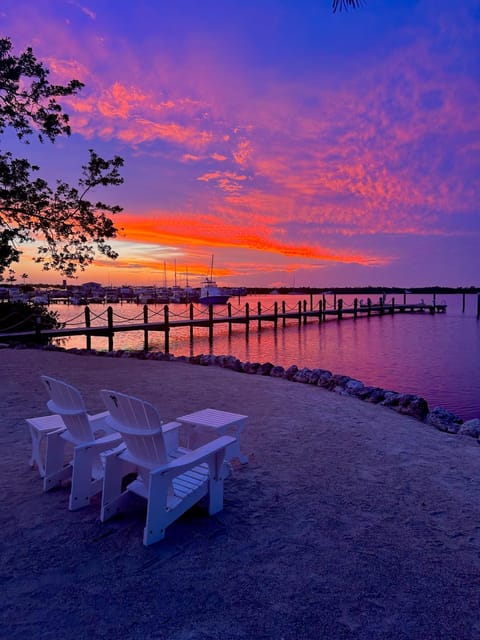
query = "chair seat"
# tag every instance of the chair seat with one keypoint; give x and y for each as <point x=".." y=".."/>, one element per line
<point x="171" y="479"/>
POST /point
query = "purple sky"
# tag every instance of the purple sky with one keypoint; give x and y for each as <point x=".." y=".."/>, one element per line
<point x="296" y="145"/>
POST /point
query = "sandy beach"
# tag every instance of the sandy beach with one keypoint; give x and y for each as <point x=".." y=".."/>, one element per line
<point x="350" y="521"/>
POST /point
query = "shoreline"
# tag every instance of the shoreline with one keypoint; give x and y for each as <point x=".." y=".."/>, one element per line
<point x="348" y="522"/>
<point x="404" y="403"/>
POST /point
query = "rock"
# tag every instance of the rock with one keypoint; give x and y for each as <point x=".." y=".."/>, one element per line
<point x="277" y="372"/>
<point x="470" y="428"/>
<point x="181" y="358"/>
<point x="291" y="372"/>
<point x="353" y="387"/>
<point x="339" y="382"/>
<point x="391" y="399"/>
<point x="375" y="395"/>
<point x="325" y="379"/>
<point x="414" y="406"/>
<point x="444" y="420"/>
<point x="302" y="375"/>
<point x="233" y="363"/>
<point x="250" y="367"/>
<point x="265" y="369"/>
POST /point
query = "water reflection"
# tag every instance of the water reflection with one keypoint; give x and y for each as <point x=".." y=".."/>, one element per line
<point x="436" y="356"/>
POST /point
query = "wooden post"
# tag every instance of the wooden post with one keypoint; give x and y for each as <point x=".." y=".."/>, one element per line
<point x="334" y="301"/>
<point x="463" y="302"/>
<point x="210" y="323"/>
<point x="166" y="320"/>
<point x="299" y="313"/>
<point x="305" y="317"/>
<point x="283" y="313"/>
<point x="38" y="327"/>
<point x="324" y="307"/>
<point x="340" y="309"/>
<point x="392" y="306"/>
<point x="110" y="328"/>
<point x="311" y="302"/>
<point x="275" y="315"/>
<point x="369" y="307"/>
<point x="355" y="308"/>
<point x="380" y="303"/>
<point x="247" y="318"/>
<point x="319" y="311"/>
<point x="259" y="312"/>
<point x="229" y="310"/>
<point x="434" y="299"/>
<point x="145" y="332"/>
<point x="404" y="297"/>
<point x="87" y="324"/>
<point x="191" y="320"/>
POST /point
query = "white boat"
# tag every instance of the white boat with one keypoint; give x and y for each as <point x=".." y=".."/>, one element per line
<point x="210" y="293"/>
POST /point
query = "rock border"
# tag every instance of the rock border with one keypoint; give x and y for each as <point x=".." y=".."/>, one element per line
<point x="405" y="403"/>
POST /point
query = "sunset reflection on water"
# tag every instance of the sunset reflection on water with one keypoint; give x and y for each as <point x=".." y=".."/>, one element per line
<point x="435" y="356"/>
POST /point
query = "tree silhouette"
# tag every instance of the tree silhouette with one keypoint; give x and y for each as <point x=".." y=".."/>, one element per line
<point x="345" y="4"/>
<point x="69" y="227"/>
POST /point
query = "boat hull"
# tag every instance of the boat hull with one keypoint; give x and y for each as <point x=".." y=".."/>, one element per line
<point x="214" y="299"/>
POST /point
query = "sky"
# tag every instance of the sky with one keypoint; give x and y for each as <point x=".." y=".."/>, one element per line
<point x="297" y="146"/>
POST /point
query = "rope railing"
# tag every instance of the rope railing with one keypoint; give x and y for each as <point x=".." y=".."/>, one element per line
<point x="19" y="324"/>
<point x="193" y="317"/>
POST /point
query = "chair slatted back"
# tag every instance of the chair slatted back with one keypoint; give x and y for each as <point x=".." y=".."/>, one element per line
<point x="67" y="401"/>
<point x="140" y="425"/>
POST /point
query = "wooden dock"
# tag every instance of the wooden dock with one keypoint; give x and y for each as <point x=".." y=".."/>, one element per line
<point x="278" y="315"/>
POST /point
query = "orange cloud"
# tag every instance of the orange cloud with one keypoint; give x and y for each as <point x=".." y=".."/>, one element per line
<point x="204" y="231"/>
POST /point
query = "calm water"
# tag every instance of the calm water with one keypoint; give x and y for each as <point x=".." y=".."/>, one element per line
<point x="435" y="356"/>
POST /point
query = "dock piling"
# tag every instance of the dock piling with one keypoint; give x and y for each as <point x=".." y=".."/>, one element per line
<point x="166" y="319"/>
<point x="110" y="328"/>
<point x="88" y="324"/>
<point x="145" y="333"/>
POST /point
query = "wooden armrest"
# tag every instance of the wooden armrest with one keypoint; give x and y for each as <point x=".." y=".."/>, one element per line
<point x="195" y="457"/>
<point x="102" y="444"/>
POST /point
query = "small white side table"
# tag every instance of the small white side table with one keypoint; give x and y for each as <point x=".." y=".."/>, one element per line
<point x="39" y="429"/>
<point x="220" y="423"/>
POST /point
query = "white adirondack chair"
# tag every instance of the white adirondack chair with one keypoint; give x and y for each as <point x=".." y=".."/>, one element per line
<point x="171" y="479"/>
<point x="89" y="435"/>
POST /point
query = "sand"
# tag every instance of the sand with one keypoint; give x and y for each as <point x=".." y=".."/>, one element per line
<point x="349" y="521"/>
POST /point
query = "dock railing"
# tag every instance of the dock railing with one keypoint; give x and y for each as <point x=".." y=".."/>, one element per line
<point x="108" y="323"/>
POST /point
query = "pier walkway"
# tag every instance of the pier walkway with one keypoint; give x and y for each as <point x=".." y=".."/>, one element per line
<point x="278" y="314"/>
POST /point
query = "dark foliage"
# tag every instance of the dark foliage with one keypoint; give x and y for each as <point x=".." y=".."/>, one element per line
<point x="69" y="227"/>
<point x="22" y="316"/>
<point x="345" y="4"/>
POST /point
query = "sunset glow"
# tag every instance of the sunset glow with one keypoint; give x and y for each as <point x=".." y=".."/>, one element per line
<point x="294" y="144"/>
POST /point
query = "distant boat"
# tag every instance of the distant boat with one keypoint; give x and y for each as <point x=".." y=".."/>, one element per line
<point x="210" y="292"/>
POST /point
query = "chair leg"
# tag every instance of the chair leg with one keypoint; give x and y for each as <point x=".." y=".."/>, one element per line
<point x="215" y="495"/>
<point x="55" y="469"/>
<point x="82" y="487"/>
<point x="113" y="497"/>
<point x="157" y="515"/>
<point x="215" y="483"/>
